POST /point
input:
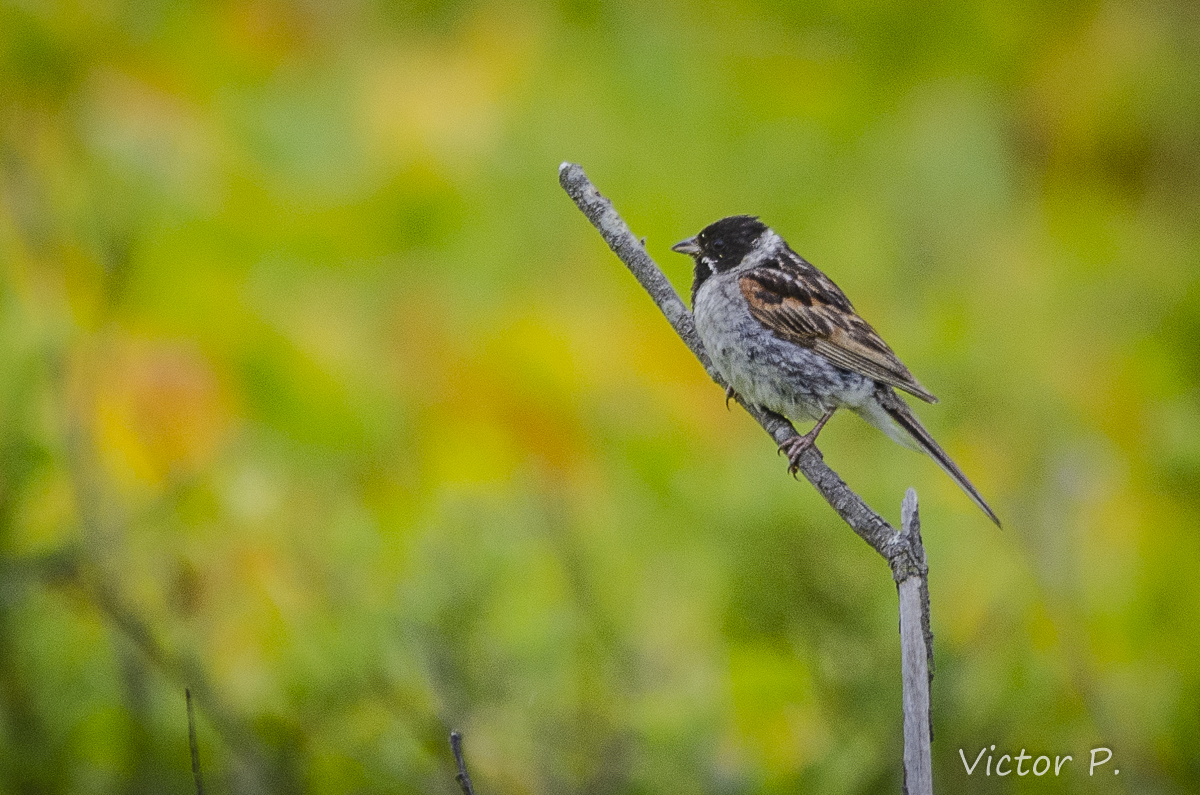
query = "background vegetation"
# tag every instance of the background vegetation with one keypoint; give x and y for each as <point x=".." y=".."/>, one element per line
<point x="319" y="395"/>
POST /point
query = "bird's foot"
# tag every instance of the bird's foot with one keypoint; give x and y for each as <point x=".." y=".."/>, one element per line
<point x="729" y="395"/>
<point x="795" y="446"/>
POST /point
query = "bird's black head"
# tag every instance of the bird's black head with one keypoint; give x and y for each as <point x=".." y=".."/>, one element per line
<point x="721" y="245"/>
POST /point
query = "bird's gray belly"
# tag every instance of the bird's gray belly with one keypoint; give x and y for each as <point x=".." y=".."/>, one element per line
<point x="782" y="376"/>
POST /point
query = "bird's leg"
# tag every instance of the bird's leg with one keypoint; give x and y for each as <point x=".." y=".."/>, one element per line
<point x="729" y="395"/>
<point x="796" y="446"/>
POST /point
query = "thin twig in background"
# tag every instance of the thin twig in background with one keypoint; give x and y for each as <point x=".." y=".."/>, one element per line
<point x="193" y="746"/>
<point x="463" y="778"/>
<point x="73" y="567"/>
<point x="903" y="552"/>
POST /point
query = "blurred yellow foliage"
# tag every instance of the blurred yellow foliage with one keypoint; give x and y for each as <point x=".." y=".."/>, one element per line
<point x="319" y="397"/>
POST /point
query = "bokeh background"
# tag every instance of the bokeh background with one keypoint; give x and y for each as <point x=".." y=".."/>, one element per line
<point x="318" y="395"/>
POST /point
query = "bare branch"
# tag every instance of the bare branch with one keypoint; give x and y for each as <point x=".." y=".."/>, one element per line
<point x="870" y="526"/>
<point x="916" y="658"/>
<point x="910" y="521"/>
<point x="463" y="778"/>
<point x="193" y="745"/>
<point x="903" y="551"/>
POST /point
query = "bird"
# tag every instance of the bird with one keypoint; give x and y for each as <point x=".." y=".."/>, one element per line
<point x="784" y="337"/>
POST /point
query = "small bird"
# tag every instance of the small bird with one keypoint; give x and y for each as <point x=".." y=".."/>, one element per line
<point x="784" y="337"/>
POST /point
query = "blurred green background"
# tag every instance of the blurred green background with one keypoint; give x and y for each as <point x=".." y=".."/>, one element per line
<point x="318" y="395"/>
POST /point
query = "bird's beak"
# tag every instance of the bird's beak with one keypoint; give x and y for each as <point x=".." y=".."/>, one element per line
<point x="689" y="247"/>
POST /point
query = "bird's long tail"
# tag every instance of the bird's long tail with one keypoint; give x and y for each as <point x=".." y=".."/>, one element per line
<point x="914" y="435"/>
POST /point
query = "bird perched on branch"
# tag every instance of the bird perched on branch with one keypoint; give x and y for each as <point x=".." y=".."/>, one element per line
<point x="784" y="337"/>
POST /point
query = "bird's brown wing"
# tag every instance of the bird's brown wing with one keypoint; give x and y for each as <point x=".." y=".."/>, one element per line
<point x="804" y="306"/>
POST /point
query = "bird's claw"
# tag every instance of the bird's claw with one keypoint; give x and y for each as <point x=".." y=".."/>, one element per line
<point x="795" y="447"/>
<point x="729" y="395"/>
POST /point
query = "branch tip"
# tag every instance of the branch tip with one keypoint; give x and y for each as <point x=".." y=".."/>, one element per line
<point x="193" y="744"/>
<point x="463" y="778"/>
<point x="910" y="518"/>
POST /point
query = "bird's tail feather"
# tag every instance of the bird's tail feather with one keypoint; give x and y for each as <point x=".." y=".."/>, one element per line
<point x="916" y="436"/>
